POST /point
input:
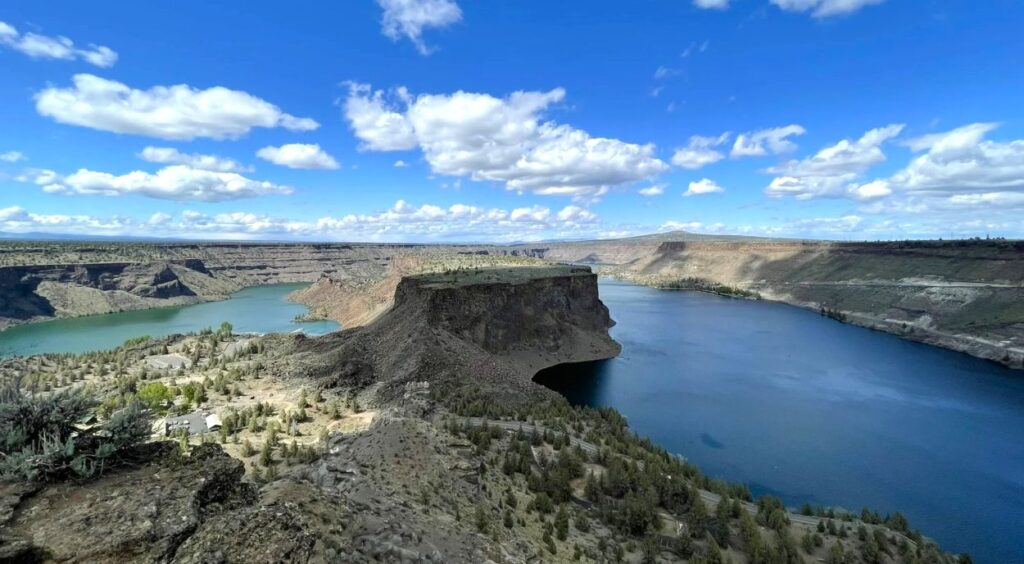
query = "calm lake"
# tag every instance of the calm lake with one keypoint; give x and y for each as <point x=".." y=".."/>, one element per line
<point x="258" y="309"/>
<point x="812" y="410"/>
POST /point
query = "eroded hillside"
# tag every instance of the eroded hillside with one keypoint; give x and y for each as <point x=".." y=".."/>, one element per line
<point x="419" y="437"/>
<point x="43" y="280"/>
<point x="963" y="295"/>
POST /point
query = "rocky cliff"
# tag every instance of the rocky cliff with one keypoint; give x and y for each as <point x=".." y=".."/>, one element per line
<point x="963" y="295"/>
<point x="167" y="508"/>
<point x="42" y="280"/>
<point x="30" y="293"/>
<point x="496" y="327"/>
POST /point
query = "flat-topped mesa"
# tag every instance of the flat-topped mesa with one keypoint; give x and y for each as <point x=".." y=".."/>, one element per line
<point x="491" y="327"/>
<point x="505" y="310"/>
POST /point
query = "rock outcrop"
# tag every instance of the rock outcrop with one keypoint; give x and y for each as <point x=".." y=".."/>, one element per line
<point x="43" y="280"/>
<point x="30" y="293"/>
<point x="135" y="514"/>
<point x="493" y="327"/>
<point x="963" y="295"/>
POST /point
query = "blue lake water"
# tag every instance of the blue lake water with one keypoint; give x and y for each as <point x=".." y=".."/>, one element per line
<point x="258" y="309"/>
<point x="812" y="410"/>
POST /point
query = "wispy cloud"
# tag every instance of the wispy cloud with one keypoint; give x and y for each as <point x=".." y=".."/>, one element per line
<point x="39" y="46"/>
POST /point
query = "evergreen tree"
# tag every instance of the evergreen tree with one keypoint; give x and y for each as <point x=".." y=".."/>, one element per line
<point x="266" y="455"/>
<point x="562" y="523"/>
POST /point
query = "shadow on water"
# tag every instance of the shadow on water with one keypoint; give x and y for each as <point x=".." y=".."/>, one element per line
<point x="580" y="382"/>
<point x="812" y="410"/>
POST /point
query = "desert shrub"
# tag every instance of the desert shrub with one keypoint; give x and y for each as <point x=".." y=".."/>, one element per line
<point x="39" y="439"/>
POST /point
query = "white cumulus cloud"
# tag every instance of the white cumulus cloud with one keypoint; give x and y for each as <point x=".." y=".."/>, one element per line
<point x="166" y="112"/>
<point x="298" y="155"/>
<point x="408" y="18"/>
<point x="176" y="182"/>
<point x="962" y="160"/>
<point x="833" y="170"/>
<point x="39" y="46"/>
<point x="505" y="140"/>
<point x="401" y="222"/>
<point x="711" y="4"/>
<point x="774" y="141"/>
<point x="700" y="152"/>
<point x="702" y="187"/>
<point x="12" y="156"/>
<point x="169" y="155"/>
<point x="656" y="190"/>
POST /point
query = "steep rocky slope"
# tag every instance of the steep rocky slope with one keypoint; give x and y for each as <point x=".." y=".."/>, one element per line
<point x="427" y="480"/>
<point x="30" y="293"/>
<point x="493" y="326"/>
<point x="41" y="280"/>
<point x="963" y="295"/>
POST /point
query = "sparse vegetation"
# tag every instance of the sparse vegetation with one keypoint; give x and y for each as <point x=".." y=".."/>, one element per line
<point x="704" y="285"/>
<point x="50" y="436"/>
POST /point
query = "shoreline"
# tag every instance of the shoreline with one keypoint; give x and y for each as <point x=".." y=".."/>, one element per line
<point x="8" y="323"/>
<point x="977" y="347"/>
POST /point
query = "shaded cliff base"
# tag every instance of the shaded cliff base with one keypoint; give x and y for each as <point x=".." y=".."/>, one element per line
<point x="495" y="327"/>
<point x="465" y="460"/>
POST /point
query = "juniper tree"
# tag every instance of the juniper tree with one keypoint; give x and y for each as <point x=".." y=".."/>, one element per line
<point x="562" y="523"/>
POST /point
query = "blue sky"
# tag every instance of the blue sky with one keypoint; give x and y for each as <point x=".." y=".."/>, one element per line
<point x="451" y="120"/>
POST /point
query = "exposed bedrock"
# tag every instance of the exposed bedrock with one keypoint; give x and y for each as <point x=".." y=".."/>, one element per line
<point x="140" y="514"/>
<point x="30" y="293"/>
<point x="494" y="327"/>
<point x="963" y="295"/>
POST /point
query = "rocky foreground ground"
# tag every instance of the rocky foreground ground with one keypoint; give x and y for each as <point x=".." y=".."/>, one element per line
<point x="418" y="437"/>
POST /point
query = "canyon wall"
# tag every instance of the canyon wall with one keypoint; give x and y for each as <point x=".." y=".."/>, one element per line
<point x="33" y="293"/>
<point x="44" y="280"/>
<point x="963" y="295"/>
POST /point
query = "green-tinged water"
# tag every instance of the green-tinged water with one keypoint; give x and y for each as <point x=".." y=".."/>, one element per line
<point x="259" y="309"/>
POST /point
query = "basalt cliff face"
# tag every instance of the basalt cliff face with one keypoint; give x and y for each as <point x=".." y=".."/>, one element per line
<point x="496" y="327"/>
<point x="31" y="293"/>
<point x="44" y="280"/>
<point x="963" y="295"/>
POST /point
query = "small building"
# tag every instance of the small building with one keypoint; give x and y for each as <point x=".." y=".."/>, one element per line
<point x="213" y="422"/>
